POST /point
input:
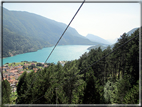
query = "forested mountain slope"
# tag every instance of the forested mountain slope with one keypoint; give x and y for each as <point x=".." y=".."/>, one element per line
<point x="131" y="31"/>
<point x="113" y="80"/>
<point x="25" y="32"/>
<point x="105" y="46"/>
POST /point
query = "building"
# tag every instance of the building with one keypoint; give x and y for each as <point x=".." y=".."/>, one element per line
<point x="35" y="69"/>
<point x="46" y="66"/>
<point x="19" y="75"/>
<point x="11" y="74"/>
<point x="21" y="72"/>
<point x="14" y="70"/>
<point x="16" y="77"/>
<point x="10" y="81"/>
<point x="33" y="64"/>
<point x="20" y="68"/>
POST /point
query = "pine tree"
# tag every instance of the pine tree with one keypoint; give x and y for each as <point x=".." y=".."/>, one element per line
<point x="6" y="91"/>
<point x="22" y="88"/>
<point x="71" y="84"/>
<point x="132" y="96"/>
<point x="91" y="94"/>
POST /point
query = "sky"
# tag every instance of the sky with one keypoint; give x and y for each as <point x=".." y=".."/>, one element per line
<point x="106" y="20"/>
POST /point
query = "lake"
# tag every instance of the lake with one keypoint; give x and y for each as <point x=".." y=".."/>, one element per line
<point x="60" y="53"/>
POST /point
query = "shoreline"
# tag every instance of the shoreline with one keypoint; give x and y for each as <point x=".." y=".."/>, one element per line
<point x="36" y="51"/>
<point x="25" y="52"/>
<point x="61" y="62"/>
<point x="12" y="59"/>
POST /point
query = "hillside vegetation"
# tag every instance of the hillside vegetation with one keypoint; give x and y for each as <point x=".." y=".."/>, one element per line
<point x="113" y="80"/>
<point x="26" y="32"/>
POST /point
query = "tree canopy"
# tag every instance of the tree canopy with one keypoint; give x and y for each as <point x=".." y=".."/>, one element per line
<point x="112" y="80"/>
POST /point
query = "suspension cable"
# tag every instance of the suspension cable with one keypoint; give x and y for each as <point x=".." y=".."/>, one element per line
<point x="84" y="71"/>
<point x="57" y="42"/>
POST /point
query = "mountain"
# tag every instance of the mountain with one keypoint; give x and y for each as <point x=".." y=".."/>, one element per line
<point x="26" y="32"/>
<point x="95" y="38"/>
<point x="113" y="41"/>
<point x="128" y="33"/>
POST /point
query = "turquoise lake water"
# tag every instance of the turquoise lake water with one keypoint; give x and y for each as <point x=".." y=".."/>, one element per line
<point x="61" y="53"/>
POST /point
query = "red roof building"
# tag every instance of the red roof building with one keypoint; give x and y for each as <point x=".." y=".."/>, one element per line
<point x="14" y="71"/>
<point x="21" y="72"/>
<point x="35" y="69"/>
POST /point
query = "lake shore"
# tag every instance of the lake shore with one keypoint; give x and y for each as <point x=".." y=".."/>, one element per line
<point x="61" y="53"/>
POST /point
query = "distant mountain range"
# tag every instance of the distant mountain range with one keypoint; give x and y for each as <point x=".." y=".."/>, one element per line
<point x="129" y="32"/>
<point x="112" y="45"/>
<point x="27" y="32"/>
<point x="112" y="41"/>
<point x="95" y="38"/>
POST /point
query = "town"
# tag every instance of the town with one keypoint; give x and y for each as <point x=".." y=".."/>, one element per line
<point x="12" y="71"/>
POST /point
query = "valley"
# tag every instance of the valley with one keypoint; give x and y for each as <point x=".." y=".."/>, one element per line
<point x="27" y="32"/>
<point x="76" y="72"/>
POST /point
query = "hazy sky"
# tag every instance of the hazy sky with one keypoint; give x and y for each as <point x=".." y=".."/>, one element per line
<point x="107" y="20"/>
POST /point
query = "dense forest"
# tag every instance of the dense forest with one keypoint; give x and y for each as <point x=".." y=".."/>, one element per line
<point x="14" y="43"/>
<point x="112" y="80"/>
